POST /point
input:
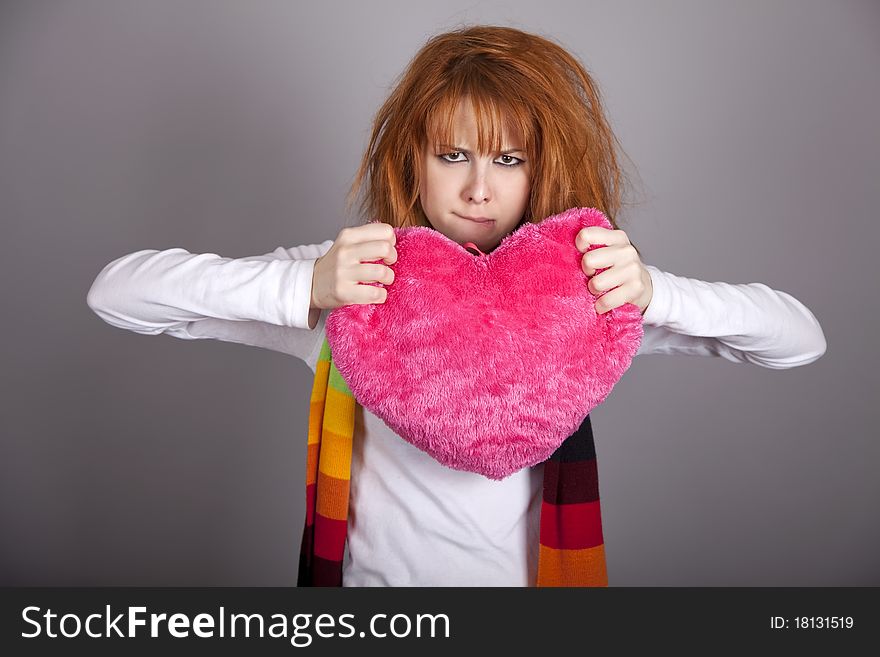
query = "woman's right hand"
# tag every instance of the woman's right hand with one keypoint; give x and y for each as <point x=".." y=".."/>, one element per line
<point x="339" y="273"/>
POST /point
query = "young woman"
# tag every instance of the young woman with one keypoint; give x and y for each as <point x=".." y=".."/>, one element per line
<point x="488" y="128"/>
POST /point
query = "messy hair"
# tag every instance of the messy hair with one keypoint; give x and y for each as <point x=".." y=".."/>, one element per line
<point x="513" y="79"/>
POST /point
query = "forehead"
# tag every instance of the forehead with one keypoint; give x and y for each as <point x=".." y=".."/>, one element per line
<point x="488" y="128"/>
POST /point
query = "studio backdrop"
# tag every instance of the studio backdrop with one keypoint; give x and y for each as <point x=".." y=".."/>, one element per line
<point x="234" y="128"/>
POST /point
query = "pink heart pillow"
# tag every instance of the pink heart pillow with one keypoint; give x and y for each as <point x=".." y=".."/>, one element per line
<point x="486" y="362"/>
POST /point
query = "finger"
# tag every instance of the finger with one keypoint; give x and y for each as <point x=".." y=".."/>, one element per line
<point x="376" y="250"/>
<point x="376" y="230"/>
<point x="611" y="300"/>
<point x="363" y="293"/>
<point x="374" y="273"/>
<point x="598" y="258"/>
<point x="591" y="235"/>
<point x="603" y="282"/>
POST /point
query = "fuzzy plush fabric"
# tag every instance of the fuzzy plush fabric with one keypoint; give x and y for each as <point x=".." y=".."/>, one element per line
<point x="486" y="362"/>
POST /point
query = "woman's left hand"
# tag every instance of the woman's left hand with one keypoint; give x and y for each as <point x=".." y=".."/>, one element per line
<point x="624" y="279"/>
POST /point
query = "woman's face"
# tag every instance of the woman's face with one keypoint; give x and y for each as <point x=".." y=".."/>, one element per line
<point x="474" y="197"/>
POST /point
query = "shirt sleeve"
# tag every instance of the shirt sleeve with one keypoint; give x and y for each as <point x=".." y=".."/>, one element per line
<point x="262" y="301"/>
<point x="744" y="323"/>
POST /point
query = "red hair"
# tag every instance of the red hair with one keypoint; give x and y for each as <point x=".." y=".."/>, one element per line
<point x="514" y="79"/>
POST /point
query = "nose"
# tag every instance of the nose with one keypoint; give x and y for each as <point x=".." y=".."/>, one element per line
<point x="476" y="189"/>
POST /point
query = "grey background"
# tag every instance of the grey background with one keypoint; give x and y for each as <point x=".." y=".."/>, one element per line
<point x="236" y="127"/>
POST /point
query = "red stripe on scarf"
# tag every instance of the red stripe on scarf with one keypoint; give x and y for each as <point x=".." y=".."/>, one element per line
<point x="571" y="526"/>
<point x="329" y="538"/>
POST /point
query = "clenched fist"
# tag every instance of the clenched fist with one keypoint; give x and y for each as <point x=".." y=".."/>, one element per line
<point x="342" y="276"/>
<point x="624" y="278"/>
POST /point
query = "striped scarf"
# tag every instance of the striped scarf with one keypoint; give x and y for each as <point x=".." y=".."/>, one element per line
<point x="571" y="550"/>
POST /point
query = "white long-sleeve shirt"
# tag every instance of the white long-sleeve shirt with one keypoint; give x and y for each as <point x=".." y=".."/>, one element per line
<point x="412" y="521"/>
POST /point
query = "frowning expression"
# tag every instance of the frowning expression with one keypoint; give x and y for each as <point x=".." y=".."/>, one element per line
<point x="470" y="196"/>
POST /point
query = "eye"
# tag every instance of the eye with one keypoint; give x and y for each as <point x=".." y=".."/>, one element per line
<point x="444" y="156"/>
<point x="512" y="161"/>
<point x="505" y="160"/>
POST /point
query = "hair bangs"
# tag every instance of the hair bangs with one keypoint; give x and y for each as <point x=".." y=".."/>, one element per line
<point x="497" y="112"/>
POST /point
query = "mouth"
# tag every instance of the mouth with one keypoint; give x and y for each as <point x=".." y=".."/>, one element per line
<point x="476" y="220"/>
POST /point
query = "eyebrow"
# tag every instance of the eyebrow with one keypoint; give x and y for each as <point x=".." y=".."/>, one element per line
<point x="459" y="149"/>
